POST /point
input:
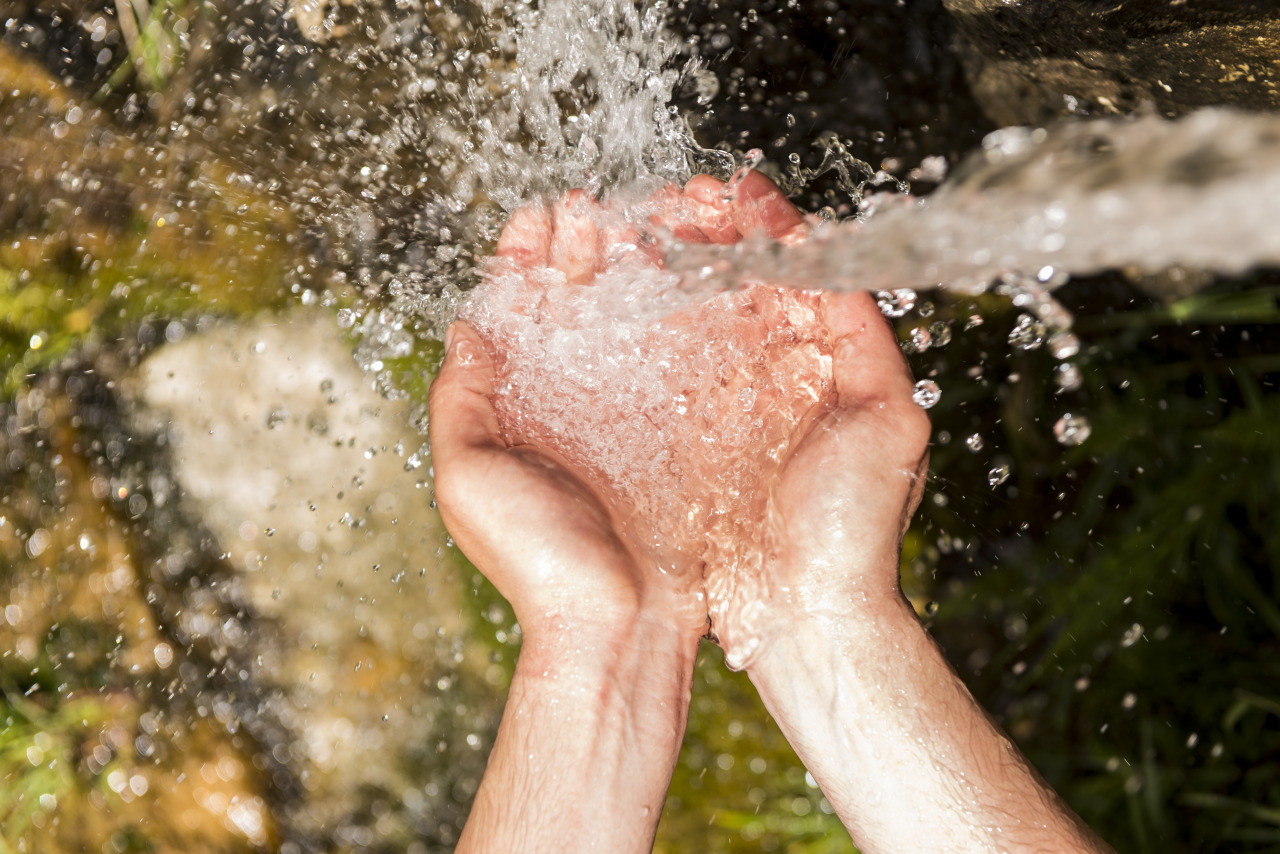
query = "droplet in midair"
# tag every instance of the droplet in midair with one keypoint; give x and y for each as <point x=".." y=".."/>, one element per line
<point x="1064" y="345"/>
<point x="920" y="340"/>
<point x="897" y="302"/>
<point x="1072" y="429"/>
<point x="941" y="333"/>
<point x="1067" y="376"/>
<point x="931" y="609"/>
<point x="975" y="442"/>
<point x="1028" y="333"/>
<point x="998" y="474"/>
<point x="927" y="394"/>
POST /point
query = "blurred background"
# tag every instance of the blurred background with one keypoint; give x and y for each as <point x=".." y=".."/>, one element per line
<point x="230" y="231"/>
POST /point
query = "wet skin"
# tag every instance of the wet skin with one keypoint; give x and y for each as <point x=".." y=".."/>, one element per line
<point x="600" y="694"/>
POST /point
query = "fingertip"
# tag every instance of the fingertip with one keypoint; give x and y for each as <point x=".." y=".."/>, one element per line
<point x="526" y="238"/>
<point x="575" y="237"/>
<point x="705" y="189"/>
<point x="759" y="205"/>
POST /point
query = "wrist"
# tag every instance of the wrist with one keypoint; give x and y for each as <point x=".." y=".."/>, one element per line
<point x="592" y="652"/>
<point x="821" y="595"/>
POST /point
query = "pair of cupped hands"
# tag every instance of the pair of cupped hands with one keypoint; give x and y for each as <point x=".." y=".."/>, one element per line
<point x="548" y="538"/>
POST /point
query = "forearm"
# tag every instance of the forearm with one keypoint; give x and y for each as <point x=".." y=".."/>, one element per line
<point x="900" y="748"/>
<point x="590" y="735"/>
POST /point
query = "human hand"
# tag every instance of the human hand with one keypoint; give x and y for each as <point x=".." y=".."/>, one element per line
<point x="549" y="259"/>
<point x="851" y="479"/>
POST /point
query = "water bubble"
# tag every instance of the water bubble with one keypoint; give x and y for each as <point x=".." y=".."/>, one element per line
<point x="346" y="318"/>
<point x="927" y="394"/>
<point x="975" y="442"/>
<point x="1064" y="345"/>
<point x="1072" y="429"/>
<point x="1067" y="376"/>
<point x="1028" y="333"/>
<point x="998" y="474"/>
<point x="897" y="302"/>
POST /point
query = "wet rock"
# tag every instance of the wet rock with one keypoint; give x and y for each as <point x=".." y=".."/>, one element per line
<point x="298" y="469"/>
<point x="879" y="73"/>
<point x="1034" y="61"/>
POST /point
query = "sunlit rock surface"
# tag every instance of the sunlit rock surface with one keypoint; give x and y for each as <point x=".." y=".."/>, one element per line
<point x="298" y="469"/>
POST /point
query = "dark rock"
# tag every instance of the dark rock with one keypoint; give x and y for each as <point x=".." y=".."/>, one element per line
<point x="1034" y="61"/>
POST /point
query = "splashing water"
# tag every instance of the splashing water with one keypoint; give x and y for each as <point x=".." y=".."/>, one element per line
<point x="1197" y="193"/>
<point x="680" y="406"/>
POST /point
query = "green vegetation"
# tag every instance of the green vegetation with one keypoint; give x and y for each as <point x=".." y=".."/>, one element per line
<point x="1117" y="604"/>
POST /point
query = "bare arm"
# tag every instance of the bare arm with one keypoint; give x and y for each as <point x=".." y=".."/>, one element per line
<point x="899" y="746"/>
<point x="904" y="753"/>
<point x="598" y="703"/>
<point x="587" y="745"/>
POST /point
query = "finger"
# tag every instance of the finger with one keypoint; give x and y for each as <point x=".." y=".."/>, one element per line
<point x="670" y="212"/>
<point x="709" y="211"/>
<point x="461" y="412"/>
<point x="526" y="238"/>
<point x="867" y="362"/>
<point x="759" y="206"/>
<point x="575" y="236"/>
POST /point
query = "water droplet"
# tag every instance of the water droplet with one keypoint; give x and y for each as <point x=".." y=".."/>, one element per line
<point x="346" y="318"/>
<point x="925" y="309"/>
<point x="931" y="609"/>
<point x="920" y="340"/>
<point x="941" y="333"/>
<point x="927" y="394"/>
<point x="998" y="474"/>
<point x="1064" y="345"/>
<point x="897" y="302"/>
<point x="1028" y="333"/>
<point x="751" y="160"/>
<point x="1067" y="376"/>
<point x="1072" y="429"/>
<point x="974" y="321"/>
<point x="975" y="442"/>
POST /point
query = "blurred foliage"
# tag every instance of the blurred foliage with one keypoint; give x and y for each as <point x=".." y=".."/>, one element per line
<point x="1117" y="604"/>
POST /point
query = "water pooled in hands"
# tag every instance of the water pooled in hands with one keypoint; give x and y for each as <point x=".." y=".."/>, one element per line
<point x="681" y="406"/>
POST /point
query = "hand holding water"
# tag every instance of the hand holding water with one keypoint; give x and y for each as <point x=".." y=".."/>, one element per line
<point x="797" y="565"/>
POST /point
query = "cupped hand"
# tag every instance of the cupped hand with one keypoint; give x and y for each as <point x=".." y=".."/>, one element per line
<point x="847" y="492"/>
<point x="539" y="533"/>
<point x="853" y="475"/>
<point x="542" y="530"/>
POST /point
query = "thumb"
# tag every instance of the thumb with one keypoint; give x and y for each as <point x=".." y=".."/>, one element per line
<point x="867" y="362"/>
<point x="461" y="412"/>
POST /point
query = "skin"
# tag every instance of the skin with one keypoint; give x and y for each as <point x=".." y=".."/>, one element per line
<point x="600" y="694"/>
